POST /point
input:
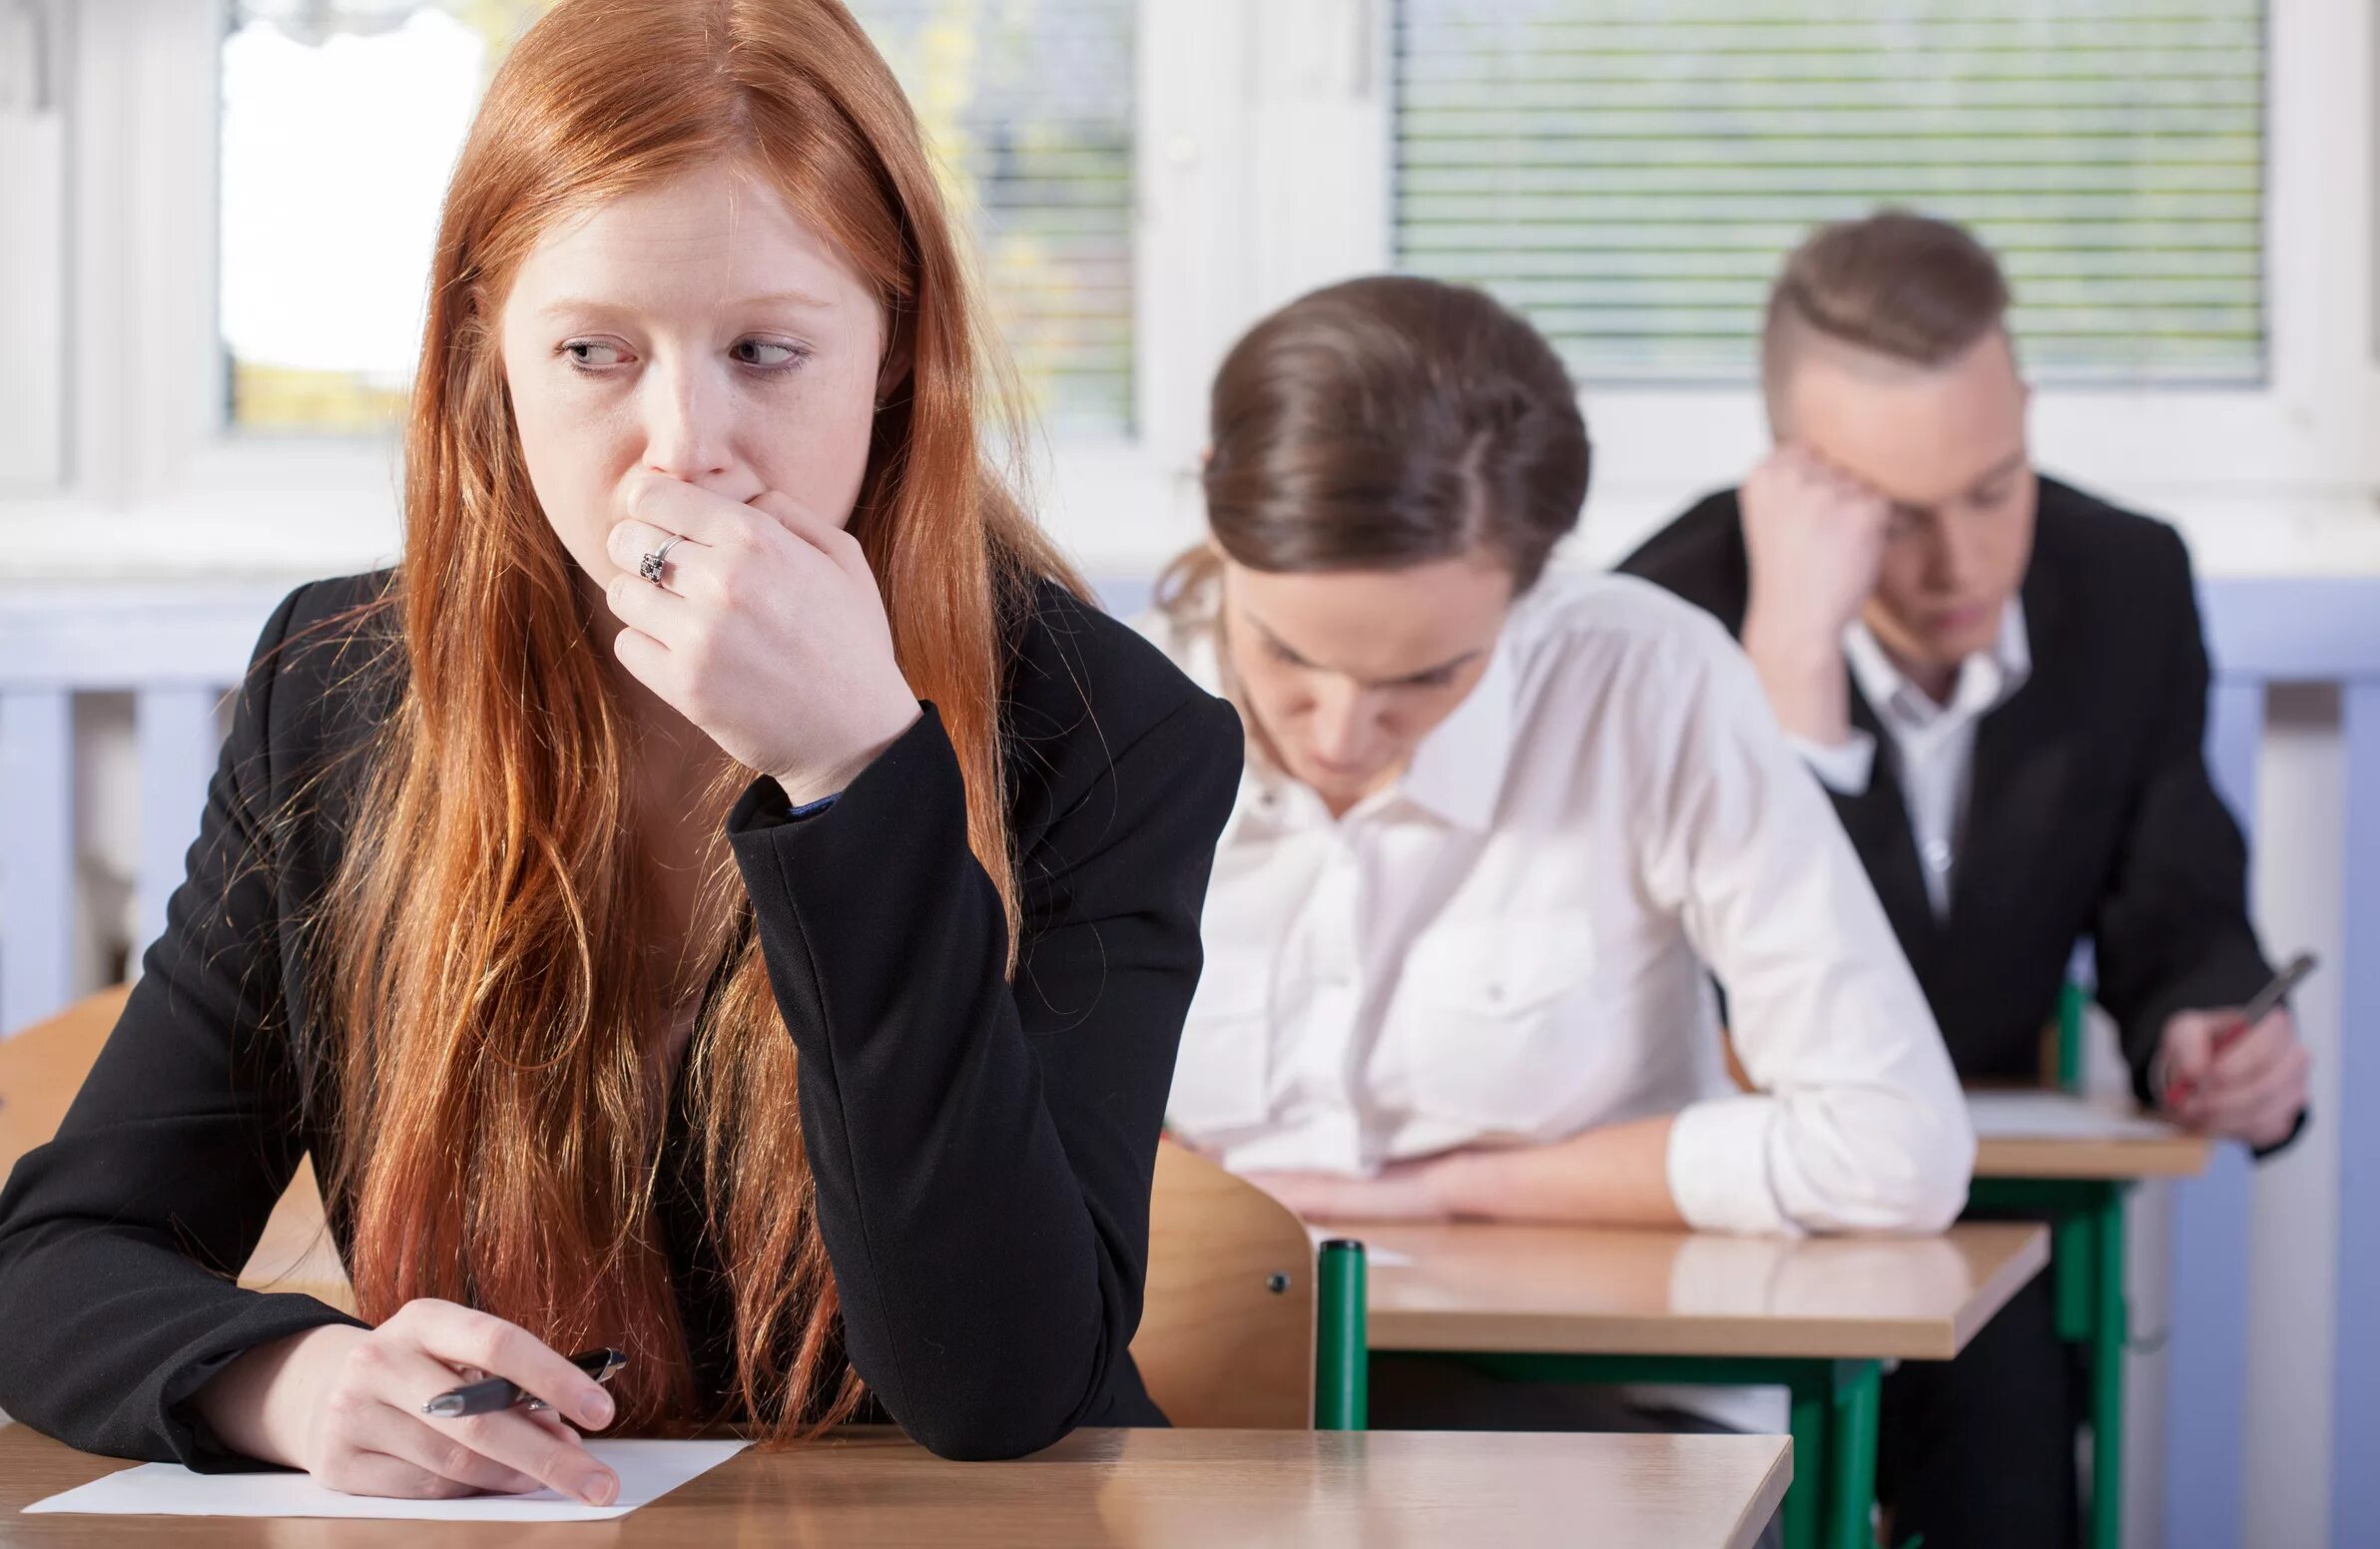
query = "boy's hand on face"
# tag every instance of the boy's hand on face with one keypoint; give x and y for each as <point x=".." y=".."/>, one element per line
<point x="1815" y="537"/>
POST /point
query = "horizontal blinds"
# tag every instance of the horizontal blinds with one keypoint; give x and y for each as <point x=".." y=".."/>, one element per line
<point x="1030" y="105"/>
<point x="1630" y="173"/>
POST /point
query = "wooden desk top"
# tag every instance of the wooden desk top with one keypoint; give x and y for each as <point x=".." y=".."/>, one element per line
<point x="1105" y="1487"/>
<point x="2054" y="1135"/>
<point x="1606" y="1291"/>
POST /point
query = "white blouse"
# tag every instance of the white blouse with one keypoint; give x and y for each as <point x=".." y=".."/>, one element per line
<point x="1514" y="943"/>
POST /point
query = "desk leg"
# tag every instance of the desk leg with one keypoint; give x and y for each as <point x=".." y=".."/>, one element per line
<point x="2111" y="1333"/>
<point x="1853" y="1413"/>
<point x="2087" y="1257"/>
<point x="2074" y="1272"/>
<point x="1341" y="1338"/>
<point x="1813" y="1416"/>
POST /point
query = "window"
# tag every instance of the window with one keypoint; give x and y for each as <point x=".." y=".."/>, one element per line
<point x="1029" y="103"/>
<point x="1629" y="172"/>
<point x="341" y="122"/>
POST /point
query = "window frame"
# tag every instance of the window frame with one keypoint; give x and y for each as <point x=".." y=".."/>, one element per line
<point x="159" y="483"/>
<point x="2301" y="445"/>
<point x="1263" y="162"/>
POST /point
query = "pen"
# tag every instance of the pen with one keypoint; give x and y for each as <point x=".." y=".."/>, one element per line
<point x="2266" y="1001"/>
<point x="498" y="1393"/>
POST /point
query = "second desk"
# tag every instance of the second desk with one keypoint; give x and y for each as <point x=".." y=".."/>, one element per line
<point x="1817" y="1316"/>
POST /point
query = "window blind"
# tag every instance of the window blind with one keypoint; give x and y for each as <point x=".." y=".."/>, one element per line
<point x="1631" y="173"/>
<point x="1030" y="105"/>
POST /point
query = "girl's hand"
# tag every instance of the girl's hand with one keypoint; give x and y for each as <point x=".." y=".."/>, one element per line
<point x="1401" y="1191"/>
<point x="344" y="1405"/>
<point x="767" y="631"/>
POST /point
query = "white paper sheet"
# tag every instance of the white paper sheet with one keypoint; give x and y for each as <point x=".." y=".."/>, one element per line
<point x="2054" y="1116"/>
<point x="648" y="1470"/>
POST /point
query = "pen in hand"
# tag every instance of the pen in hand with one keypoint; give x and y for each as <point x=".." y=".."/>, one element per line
<point x="2266" y="1001"/>
<point x="496" y="1393"/>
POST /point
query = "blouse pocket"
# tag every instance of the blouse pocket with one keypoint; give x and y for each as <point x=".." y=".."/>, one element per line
<point x="1219" y="1079"/>
<point x="1486" y="1021"/>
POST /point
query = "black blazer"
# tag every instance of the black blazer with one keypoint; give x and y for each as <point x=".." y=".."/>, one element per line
<point x="2091" y="813"/>
<point x="982" y="1149"/>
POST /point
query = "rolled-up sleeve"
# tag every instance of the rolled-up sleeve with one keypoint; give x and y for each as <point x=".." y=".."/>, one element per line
<point x="1855" y="1122"/>
<point x="1843" y="768"/>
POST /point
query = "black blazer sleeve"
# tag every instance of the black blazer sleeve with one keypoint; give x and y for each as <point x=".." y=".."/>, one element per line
<point x="2172" y="931"/>
<point x="983" y="1151"/>
<point x="120" y="1238"/>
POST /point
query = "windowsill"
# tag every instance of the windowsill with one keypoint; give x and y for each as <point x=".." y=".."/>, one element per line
<point x="193" y="542"/>
<point x="265" y="511"/>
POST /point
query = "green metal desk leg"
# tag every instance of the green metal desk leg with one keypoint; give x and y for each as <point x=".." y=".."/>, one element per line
<point x="2074" y="1008"/>
<point x="2111" y="1333"/>
<point x="2087" y="1260"/>
<point x="1342" y="1335"/>
<point x="1812" y="1418"/>
<point x="2074" y="1271"/>
<point x="1856" y="1413"/>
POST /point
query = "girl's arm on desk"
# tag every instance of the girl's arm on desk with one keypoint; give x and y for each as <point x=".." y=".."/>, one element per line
<point x="1614" y="1176"/>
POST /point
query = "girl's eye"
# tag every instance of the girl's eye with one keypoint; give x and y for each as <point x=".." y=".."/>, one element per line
<point x="767" y="354"/>
<point x="591" y="353"/>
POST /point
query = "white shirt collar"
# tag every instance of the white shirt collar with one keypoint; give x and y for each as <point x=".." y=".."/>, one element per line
<point x="1459" y="768"/>
<point x="1985" y="680"/>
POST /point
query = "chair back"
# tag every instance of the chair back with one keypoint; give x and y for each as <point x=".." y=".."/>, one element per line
<point x="42" y="1068"/>
<point x="1227" y="1323"/>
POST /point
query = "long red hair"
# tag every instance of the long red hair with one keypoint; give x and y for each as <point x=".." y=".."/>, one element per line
<point x="493" y="979"/>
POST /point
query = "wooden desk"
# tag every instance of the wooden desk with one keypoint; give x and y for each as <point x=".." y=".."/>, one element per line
<point x="1817" y="1316"/>
<point x="2072" y="1171"/>
<point x="1603" y="1292"/>
<point x="1148" y="1487"/>
<point x="2095" y="1138"/>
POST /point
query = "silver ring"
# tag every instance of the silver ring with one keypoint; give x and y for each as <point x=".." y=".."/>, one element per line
<point x="650" y="566"/>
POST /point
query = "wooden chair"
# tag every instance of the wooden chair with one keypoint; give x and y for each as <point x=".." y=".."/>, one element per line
<point x="43" y="1066"/>
<point x="1244" y="1324"/>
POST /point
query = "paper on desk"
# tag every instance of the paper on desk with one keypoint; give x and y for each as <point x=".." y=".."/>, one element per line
<point x="1373" y="1257"/>
<point x="648" y="1470"/>
<point x="2054" y="1116"/>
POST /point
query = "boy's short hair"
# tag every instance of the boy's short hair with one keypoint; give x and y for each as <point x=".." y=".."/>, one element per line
<point x="1905" y="287"/>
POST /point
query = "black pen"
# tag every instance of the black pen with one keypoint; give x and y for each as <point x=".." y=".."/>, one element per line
<point x="498" y="1393"/>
